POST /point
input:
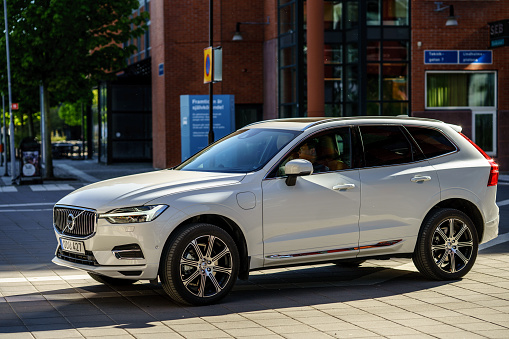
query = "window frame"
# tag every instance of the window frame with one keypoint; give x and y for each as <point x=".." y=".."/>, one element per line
<point x="405" y="133"/>
<point x="354" y="151"/>
<point x="438" y="130"/>
<point x="450" y="108"/>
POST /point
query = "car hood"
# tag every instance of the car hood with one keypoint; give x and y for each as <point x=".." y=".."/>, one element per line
<point x="139" y="189"/>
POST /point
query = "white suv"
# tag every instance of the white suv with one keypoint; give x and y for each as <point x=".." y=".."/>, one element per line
<point x="285" y="192"/>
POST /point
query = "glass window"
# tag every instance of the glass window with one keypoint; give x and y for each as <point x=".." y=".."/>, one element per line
<point x="287" y="19"/>
<point x="373" y="51"/>
<point x="431" y="141"/>
<point x="242" y="151"/>
<point x="387" y="145"/>
<point x="333" y="92"/>
<point x="395" y="51"/>
<point x="332" y="15"/>
<point x="352" y="83"/>
<point x="395" y="108"/>
<point x="373" y="79"/>
<point x="373" y="108"/>
<point x="395" y="82"/>
<point x="327" y="151"/>
<point x="484" y="131"/>
<point x="333" y="54"/>
<point x="460" y="89"/>
<point x="373" y="12"/>
<point x="352" y="14"/>
<point x="352" y="52"/>
<point x="395" y="12"/>
<point x="287" y="83"/>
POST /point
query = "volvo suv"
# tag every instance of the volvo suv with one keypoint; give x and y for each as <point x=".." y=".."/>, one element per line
<point x="286" y="192"/>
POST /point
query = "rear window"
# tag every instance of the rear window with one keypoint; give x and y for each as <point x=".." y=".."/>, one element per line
<point x="431" y="141"/>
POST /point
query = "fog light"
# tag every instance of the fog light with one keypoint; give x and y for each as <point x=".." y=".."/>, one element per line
<point x="131" y="251"/>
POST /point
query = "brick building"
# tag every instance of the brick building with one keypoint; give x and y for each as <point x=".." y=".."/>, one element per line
<point x="319" y="57"/>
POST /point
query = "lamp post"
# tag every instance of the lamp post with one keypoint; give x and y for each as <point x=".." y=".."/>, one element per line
<point x="11" y="118"/>
<point x="211" y="84"/>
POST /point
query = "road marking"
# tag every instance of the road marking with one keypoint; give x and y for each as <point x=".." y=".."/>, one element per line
<point x="503" y="203"/>
<point x="28" y="204"/>
<point x="8" y="189"/>
<point x="27" y="210"/>
<point x="51" y="187"/>
<point x="2" y="210"/>
<point x="70" y="169"/>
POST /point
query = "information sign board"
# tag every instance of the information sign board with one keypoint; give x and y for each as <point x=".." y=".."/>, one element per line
<point x="440" y="57"/>
<point x="194" y="121"/>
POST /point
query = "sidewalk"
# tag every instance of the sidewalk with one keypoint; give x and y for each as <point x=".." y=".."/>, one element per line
<point x="84" y="171"/>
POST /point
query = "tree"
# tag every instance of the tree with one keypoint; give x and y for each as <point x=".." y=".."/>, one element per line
<point x="68" y="45"/>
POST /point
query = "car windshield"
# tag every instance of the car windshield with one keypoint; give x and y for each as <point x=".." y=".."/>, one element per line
<point x="245" y="150"/>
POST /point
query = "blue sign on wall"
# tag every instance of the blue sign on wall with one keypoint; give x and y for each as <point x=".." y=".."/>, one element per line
<point x="161" y="69"/>
<point x="475" y="57"/>
<point x="440" y="57"/>
<point x="458" y="57"/>
<point x="194" y="121"/>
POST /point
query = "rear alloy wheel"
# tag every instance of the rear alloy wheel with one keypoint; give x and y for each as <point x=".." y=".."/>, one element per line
<point x="447" y="246"/>
<point x="200" y="266"/>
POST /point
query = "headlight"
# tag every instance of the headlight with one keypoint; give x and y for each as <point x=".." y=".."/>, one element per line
<point x="127" y="215"/>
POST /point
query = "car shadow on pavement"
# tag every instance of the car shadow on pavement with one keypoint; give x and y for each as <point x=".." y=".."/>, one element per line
<point x="86" y="305"/>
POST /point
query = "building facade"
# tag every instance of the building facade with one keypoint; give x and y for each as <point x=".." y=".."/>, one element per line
<point x="333" y="58"/>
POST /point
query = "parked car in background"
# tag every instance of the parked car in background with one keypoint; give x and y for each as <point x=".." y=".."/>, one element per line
<point x="286" y="192"/>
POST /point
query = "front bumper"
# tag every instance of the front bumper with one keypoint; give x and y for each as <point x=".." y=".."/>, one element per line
<point x="141" y="272"/>
<point x="101" y="257"/>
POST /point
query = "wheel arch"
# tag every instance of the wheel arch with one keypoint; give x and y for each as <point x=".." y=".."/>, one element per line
<point x="227" y="225"/>
<point x="465" y="206"/>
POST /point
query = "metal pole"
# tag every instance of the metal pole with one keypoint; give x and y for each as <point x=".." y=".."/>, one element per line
<point x="11" y="124"/>
<point x="43" y="127"/>
<point x="211" y="84"/>
<point x="5" y="138"/>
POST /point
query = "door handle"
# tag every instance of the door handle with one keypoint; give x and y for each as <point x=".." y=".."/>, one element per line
<point x="343" y="187"/>
<point x="420" y="178"/>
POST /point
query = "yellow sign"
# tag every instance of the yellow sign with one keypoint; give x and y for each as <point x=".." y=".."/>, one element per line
<point x="207" y="65"/>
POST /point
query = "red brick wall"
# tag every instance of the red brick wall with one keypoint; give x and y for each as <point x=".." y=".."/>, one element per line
<point x="179" y="42"/>
<point x="472" y="33"/>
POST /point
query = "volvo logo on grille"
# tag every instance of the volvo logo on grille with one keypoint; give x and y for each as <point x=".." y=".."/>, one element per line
<point x="69" y="225"/>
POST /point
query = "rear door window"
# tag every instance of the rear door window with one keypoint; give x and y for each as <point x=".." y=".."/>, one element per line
<point x="387" y="145"/>
<point x="432" y="142"/>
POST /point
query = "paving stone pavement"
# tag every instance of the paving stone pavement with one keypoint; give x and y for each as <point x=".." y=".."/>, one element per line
<point x="379" y="299"/>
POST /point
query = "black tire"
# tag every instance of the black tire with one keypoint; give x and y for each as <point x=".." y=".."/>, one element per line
<point x="352" y="263"/>
<point x="111" y="281"/>
<point x="199" y="265"/>
<point x="447" y="245"/>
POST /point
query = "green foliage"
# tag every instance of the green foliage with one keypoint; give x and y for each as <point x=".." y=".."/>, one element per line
<point x="68" y="45"/>
<point x="70" y="113"/>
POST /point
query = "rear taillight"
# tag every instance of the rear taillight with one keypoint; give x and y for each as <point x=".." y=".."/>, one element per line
<point x="493" y="179"/>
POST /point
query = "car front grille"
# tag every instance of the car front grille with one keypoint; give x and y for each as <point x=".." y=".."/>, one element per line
<point x="74" y="222"/>
<point x="86" y="259"/>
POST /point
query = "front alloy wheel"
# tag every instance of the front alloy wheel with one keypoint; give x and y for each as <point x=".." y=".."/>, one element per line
<point x="447" y="246"/>
<point x="201" y="265"/>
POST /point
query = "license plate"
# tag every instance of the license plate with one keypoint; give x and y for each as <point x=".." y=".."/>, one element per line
<point x="72" y="246"/>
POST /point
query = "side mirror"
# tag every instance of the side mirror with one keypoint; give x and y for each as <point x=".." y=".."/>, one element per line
<point x="295" y="168"/>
